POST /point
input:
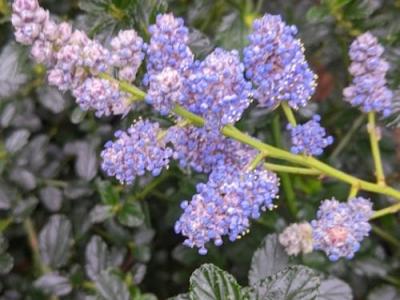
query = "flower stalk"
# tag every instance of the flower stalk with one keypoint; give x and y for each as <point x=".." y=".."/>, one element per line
<point x="274" y="152"/>
<point x="291" y="170"/>
<point x="289" y="113"/>
<point x="374" y="140"/>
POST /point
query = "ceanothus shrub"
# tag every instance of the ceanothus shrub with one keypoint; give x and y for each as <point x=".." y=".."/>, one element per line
<point x="205" y="98"/>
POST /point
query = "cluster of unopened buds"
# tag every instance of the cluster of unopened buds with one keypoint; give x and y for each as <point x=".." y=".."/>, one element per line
<point x="217" y="89"/>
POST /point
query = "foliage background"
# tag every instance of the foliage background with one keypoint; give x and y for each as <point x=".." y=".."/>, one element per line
<point x="49" y="156"/>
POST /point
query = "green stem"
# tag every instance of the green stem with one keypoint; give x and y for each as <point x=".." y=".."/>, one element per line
<point x="151" y="186"/>
<point x="307" y="161"/>
<point x="353" y="191"/>
<point x="386" y="236"/>
<point x="290" y="196"/>
<point x="291" y="170"/>
<point x="4" y="223"/>
<point x="374" y="139"/>
<point x="54" y="183"/>
<point x="386" y="211"/>
<point x="347" y="138"/>
<point x="254" y="163"/>
<point x="126" y="87"/>
<point x="90" y="286"/>
<point x="34" y="244"/>
<point x="288" y="113"/>
<point x="391" y="279"/>
<point x="4" y="8"/>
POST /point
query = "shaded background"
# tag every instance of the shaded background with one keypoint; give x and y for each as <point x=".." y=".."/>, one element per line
<point x="49" y="154"/>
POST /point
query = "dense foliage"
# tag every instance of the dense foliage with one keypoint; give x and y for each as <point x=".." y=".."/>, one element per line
<point x="69" y="231"/>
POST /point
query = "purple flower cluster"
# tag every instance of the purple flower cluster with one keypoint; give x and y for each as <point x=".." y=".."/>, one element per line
<point x="275" y="62"/>
<point x="203" y="149"/>
<point x="225" y="205"/>
<point x="74" y="60"/>
<point x="141" y="148"/>
<point x="127" y="54"/>
<point x="368" y="89"/>
<point x="166" y="89"/>
<point x="28" y="20"/>
<point x="340" y="227"/>
<point x="168" y="46"/>
<point x="297" y="238"/>
<point x="103" y="96"/>
<point x="217" y="90"/>
<point x="309" y="138"/>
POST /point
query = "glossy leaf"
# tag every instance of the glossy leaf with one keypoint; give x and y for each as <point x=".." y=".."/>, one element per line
<point x="334" y="289"/>
<point x="6" y="263"/>
<point x="54" y="284"/>
<point x="97" y="257"/>
<point x="295" y="283"/>
<point x="131" y="214"/>
<point x="211" y="283"/>
<point x="55" y="240"/>
<point x="111" y="287"/>
<point x="268" y="259"/>
<point x="12" y="76"/>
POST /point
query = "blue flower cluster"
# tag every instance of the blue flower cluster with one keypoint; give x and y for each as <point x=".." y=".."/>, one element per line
<point x="225" y="205"/>
<point x="217" y="90"/>
<point x="368" y="89"/>
<point x="309" y="138"/>
<point x="142" y="148"/>
<point x="340" y="227"/>
<point x="168" y="46"/>
<point x="203" y="149"/>
<point x="275" y="62"/>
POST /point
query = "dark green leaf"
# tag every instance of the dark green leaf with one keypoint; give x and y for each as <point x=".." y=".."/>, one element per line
<point x="147" y="297"/>
<point x="52" y="99"/>
<point x="317" y="13"/>
<point x="384" y="292"/>
<point x="54" y="284"/>
<point x="268" y="259"/>
<point x="100" y="213"/>
<point x="339" y="3"/>
<point x="3" y="244"/>
<point x="97" y="259"/>
<point x="55" y="241"/>
<point x="51" y="197"/>
<point x="131" y="214"/>
<point x="142" y="253"/>
<point x="371" y="267"/>
<point x="5" y="197"/>
<point x="11" y="75"/>
<point x="334" y="289"/>
<point x="24" y="208"/>
<point x="294" y="283"/>
<point x="17" y="140"/>
<point x="111" y="287"/>
<point x="232" y="32"/>
<point x="180" y="297"/>
<point x="109" y="195"/>
<point x="211" y="283"/>
<point x="6" y="263"/>
<point x="86" y="162"/>
<point x="24" y="179"/>
<point x="199" y="43"/>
